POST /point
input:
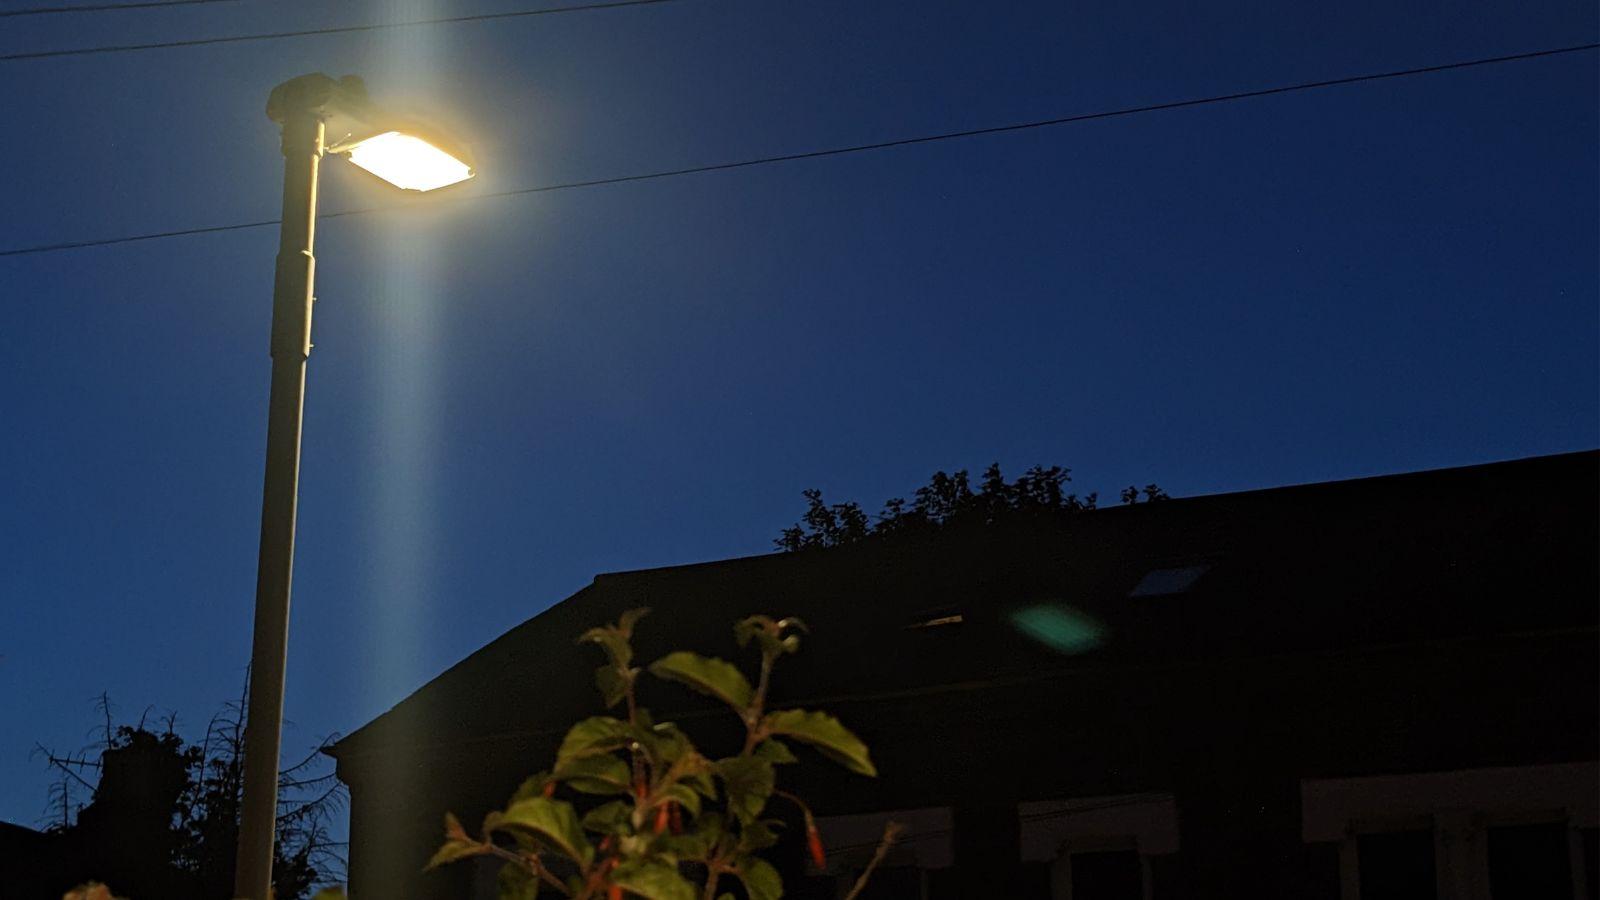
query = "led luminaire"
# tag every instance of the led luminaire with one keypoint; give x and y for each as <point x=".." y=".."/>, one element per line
<point x="408" y="162"/>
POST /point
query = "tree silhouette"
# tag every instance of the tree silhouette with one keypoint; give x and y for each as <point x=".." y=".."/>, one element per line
<point x="947" y="499"/>
<point x="163" y="818"/>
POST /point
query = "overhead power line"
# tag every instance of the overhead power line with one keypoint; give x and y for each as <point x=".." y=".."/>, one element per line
<point x="340" y="29"/>
<point x="103" y="7"/>
<point x="854" y="148"/>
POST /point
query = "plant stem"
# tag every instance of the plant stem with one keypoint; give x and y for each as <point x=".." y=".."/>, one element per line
<point x="530" y="863"/>
<point x="891" y="833"/>
<point x="805" y="811"/>
<point x="752" y="722"/>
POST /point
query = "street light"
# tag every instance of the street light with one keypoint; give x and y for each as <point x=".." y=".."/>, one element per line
<point x="319" y="116"/>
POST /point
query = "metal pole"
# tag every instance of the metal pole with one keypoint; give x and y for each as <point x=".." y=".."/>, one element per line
<point x="291" y="344"/>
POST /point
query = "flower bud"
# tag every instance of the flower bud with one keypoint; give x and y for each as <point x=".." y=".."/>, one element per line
<point x="819" y="857"/>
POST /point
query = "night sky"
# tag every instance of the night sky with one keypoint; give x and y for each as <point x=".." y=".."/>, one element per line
<point x="510" y="395"/>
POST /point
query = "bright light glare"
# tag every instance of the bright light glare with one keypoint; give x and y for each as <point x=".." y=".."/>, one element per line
<point x="408" y="162"/>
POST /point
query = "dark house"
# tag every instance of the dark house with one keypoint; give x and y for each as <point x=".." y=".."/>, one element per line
<point x="1384" y="687"/>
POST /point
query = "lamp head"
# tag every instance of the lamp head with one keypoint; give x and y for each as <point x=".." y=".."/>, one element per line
<point x="407" y="154"/>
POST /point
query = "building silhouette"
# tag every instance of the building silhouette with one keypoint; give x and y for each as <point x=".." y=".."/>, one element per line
<point x="1384" y="687"/>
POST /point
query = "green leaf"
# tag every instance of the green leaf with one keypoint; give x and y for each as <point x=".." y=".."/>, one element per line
<point x="556" y="822"/>
<point x="776" y="752"/>
<point x="599" y="734"/>
<point x="699" y="839"/>
<point x="627" y="620"/>
<point x="609" y="818"/>
<point x="826" y="734"/>
<point x="452" y="828"/>
<point x="612" y="684"/>
<point x="516" y="883"/>
<point x="716" y="677"/>
<point x="758" y="835"/>
<point x="532" y="786"/>
<point x="617" y="648"/>
<point x="599" y="774"/>
<point x="747" y="628"/>
<point x="452" y="851"/>
<point x="703" y="784"/>
<point x="769" y="633"/>
<point x="712" y="826"/>
<point x="689" y="847"/>
<point x="654" y="880"/>
<point x="616" y="639"/>
<point x="685" y="797"/>
<point x="665" y="743"/>
<point x="761" y="880"/>
<point x="748" y="783"/>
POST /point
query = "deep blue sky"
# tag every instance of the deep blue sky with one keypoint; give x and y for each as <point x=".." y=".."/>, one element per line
<point x="511" y="395"/>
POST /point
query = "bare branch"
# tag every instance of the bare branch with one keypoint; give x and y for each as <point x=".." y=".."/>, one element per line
<point x="314" y="756"/>
<point x="308" y="807"/>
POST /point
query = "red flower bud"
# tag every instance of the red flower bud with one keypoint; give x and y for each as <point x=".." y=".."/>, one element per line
<point x="663" y="817"/>
<point x="677" y="819"/>
<point x="819" y="857"/>
<point x="614" y="892"/>
<point x="550" y="788"/>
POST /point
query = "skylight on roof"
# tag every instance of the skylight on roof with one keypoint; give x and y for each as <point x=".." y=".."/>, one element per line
<point x="1164" y="582"/>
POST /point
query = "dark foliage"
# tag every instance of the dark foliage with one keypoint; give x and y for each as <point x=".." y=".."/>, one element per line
<point x="163" y="818"/>
<point x="947" y="500"/>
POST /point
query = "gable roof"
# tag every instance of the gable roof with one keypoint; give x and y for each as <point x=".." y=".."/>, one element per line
<point x="1490" y="549"/>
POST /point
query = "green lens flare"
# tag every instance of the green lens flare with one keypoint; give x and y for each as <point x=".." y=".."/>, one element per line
<point x="1059" y="627"/>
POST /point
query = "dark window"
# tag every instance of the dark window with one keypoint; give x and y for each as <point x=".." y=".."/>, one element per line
<point x="1161" y="582"/>
<point x="1033" y="881"/>
<point x="1529" y="862"/>
<point x="1107" y="875"/>
<point x="1321" y="872"/>
<point x="942" y="885"/>
<point x="1397" y="865"/>
<point x="1166" y="875"/>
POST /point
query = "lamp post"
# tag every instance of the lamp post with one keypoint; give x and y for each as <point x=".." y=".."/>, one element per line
<point x="319" y="116"/>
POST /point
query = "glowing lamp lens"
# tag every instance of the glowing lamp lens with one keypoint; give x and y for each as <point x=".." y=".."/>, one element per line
<point x="408" y="162"/>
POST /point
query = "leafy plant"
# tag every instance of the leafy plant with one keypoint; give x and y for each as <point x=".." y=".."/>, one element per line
<point x="631" y="807"/>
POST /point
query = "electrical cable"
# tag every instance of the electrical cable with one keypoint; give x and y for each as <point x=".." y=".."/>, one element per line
<point x="103" y="7"/>
<point x="841" y="151"/>
<point x="340" y="29"/>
